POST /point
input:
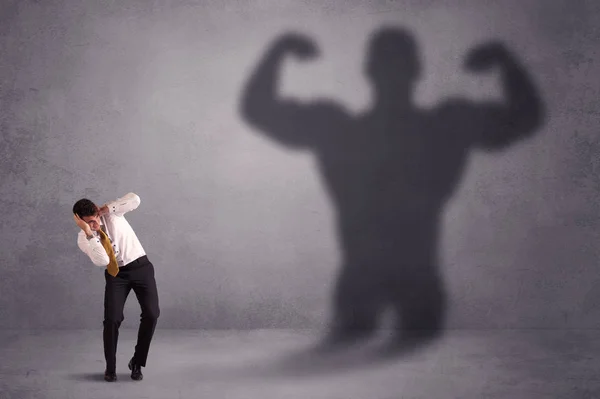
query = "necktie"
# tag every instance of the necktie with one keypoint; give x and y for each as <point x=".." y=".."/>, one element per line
<point x="113" y="267"/>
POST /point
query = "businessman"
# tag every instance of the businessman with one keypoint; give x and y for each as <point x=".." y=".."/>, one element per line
<point x="109" y="241"/>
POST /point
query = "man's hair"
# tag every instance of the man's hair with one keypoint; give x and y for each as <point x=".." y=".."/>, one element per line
<point x="85" y="207"/>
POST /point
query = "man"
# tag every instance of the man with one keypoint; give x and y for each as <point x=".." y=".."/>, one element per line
<point x="109" y="241"/>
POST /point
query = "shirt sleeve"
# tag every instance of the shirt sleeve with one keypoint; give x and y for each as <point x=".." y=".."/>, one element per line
<point x="93" y="249"/>
<point x="122" y="205"/>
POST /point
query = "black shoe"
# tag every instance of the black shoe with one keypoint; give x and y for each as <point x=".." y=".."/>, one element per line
<point x="136" y="370"/>
<point x="110" y="376"/>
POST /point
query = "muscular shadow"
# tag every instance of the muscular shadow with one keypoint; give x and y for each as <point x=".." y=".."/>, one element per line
<point x="390" y="172"/>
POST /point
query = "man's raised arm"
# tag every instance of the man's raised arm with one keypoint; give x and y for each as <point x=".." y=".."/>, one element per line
<point x="89" y="243"/>
<point x="122" y="205"/>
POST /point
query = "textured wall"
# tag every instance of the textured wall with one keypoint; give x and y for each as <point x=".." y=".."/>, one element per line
<point x="100" y="98"/>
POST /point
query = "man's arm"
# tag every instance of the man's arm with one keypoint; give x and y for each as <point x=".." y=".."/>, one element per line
<point x="122" y="205"/>
<point x="92" y="247"/>
<point x="497" y="125"/>
<point x="89" y="243"/>
<point x="284" y="120"/>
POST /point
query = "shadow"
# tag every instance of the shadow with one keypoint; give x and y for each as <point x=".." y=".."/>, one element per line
<point x="304" y="361"/>
<point x="390" y="171"/>
<point x="99" y="377"/>
<point x="90" y="377"/>
<point x="307" y="363"/>
<point x="317" y="361"/>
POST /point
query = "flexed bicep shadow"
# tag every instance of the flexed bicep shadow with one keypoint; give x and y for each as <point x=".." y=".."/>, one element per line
<point x="390" y="172"/>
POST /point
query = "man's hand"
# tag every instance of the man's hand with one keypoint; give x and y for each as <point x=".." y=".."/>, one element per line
<point x="103" y="210"/>
<point x="82" y="225"/>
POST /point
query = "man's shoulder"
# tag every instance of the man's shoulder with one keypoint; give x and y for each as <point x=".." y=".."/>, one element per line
<point x="110" y="217"/>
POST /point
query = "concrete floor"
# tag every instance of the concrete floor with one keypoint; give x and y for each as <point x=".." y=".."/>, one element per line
<point x="273" y="364"/>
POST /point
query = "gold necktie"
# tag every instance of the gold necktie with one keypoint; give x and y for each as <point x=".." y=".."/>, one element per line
<point x="113" y="267"/>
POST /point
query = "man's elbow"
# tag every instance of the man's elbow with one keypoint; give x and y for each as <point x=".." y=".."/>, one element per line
<point x="101" y="261"/>
<point x="134" y="200"/>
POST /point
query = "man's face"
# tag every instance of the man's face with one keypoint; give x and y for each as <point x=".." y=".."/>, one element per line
<point x="92" y="221"/>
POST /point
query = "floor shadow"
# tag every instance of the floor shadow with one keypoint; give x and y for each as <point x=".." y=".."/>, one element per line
<point x="305" y="361"/>
<point x="90" y="377"/>
<point x="98" y="377"/>
<point x="318" y="360"/>
<point x="390" y="171"/>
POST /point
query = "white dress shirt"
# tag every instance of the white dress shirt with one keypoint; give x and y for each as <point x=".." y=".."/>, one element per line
<point x="126" y="245"/>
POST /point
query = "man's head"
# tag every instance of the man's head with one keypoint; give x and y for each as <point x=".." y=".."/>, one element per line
<point x="88" y="212"/>
<point x="393" y="60"/>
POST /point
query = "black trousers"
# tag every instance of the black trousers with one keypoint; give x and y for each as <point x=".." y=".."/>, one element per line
<point x="139" y="276"/>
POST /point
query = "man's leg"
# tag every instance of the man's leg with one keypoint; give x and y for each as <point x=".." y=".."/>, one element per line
<point x="115" y="294"/>
<point x="144" y="286"/>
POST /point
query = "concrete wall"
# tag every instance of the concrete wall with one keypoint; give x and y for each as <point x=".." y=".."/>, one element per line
<point x="98" y="99"/>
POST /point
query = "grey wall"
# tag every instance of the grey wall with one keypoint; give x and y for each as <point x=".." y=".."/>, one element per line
<point x="101" y="98"/>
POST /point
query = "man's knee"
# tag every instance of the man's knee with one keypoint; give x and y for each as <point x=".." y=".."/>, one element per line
<point x="113" y="319"/>
<point x="151" y="313"/>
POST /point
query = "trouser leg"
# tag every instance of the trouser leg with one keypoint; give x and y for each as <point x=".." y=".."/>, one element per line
<point x="144" y="286"/>
<point x="115" y="294"/>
